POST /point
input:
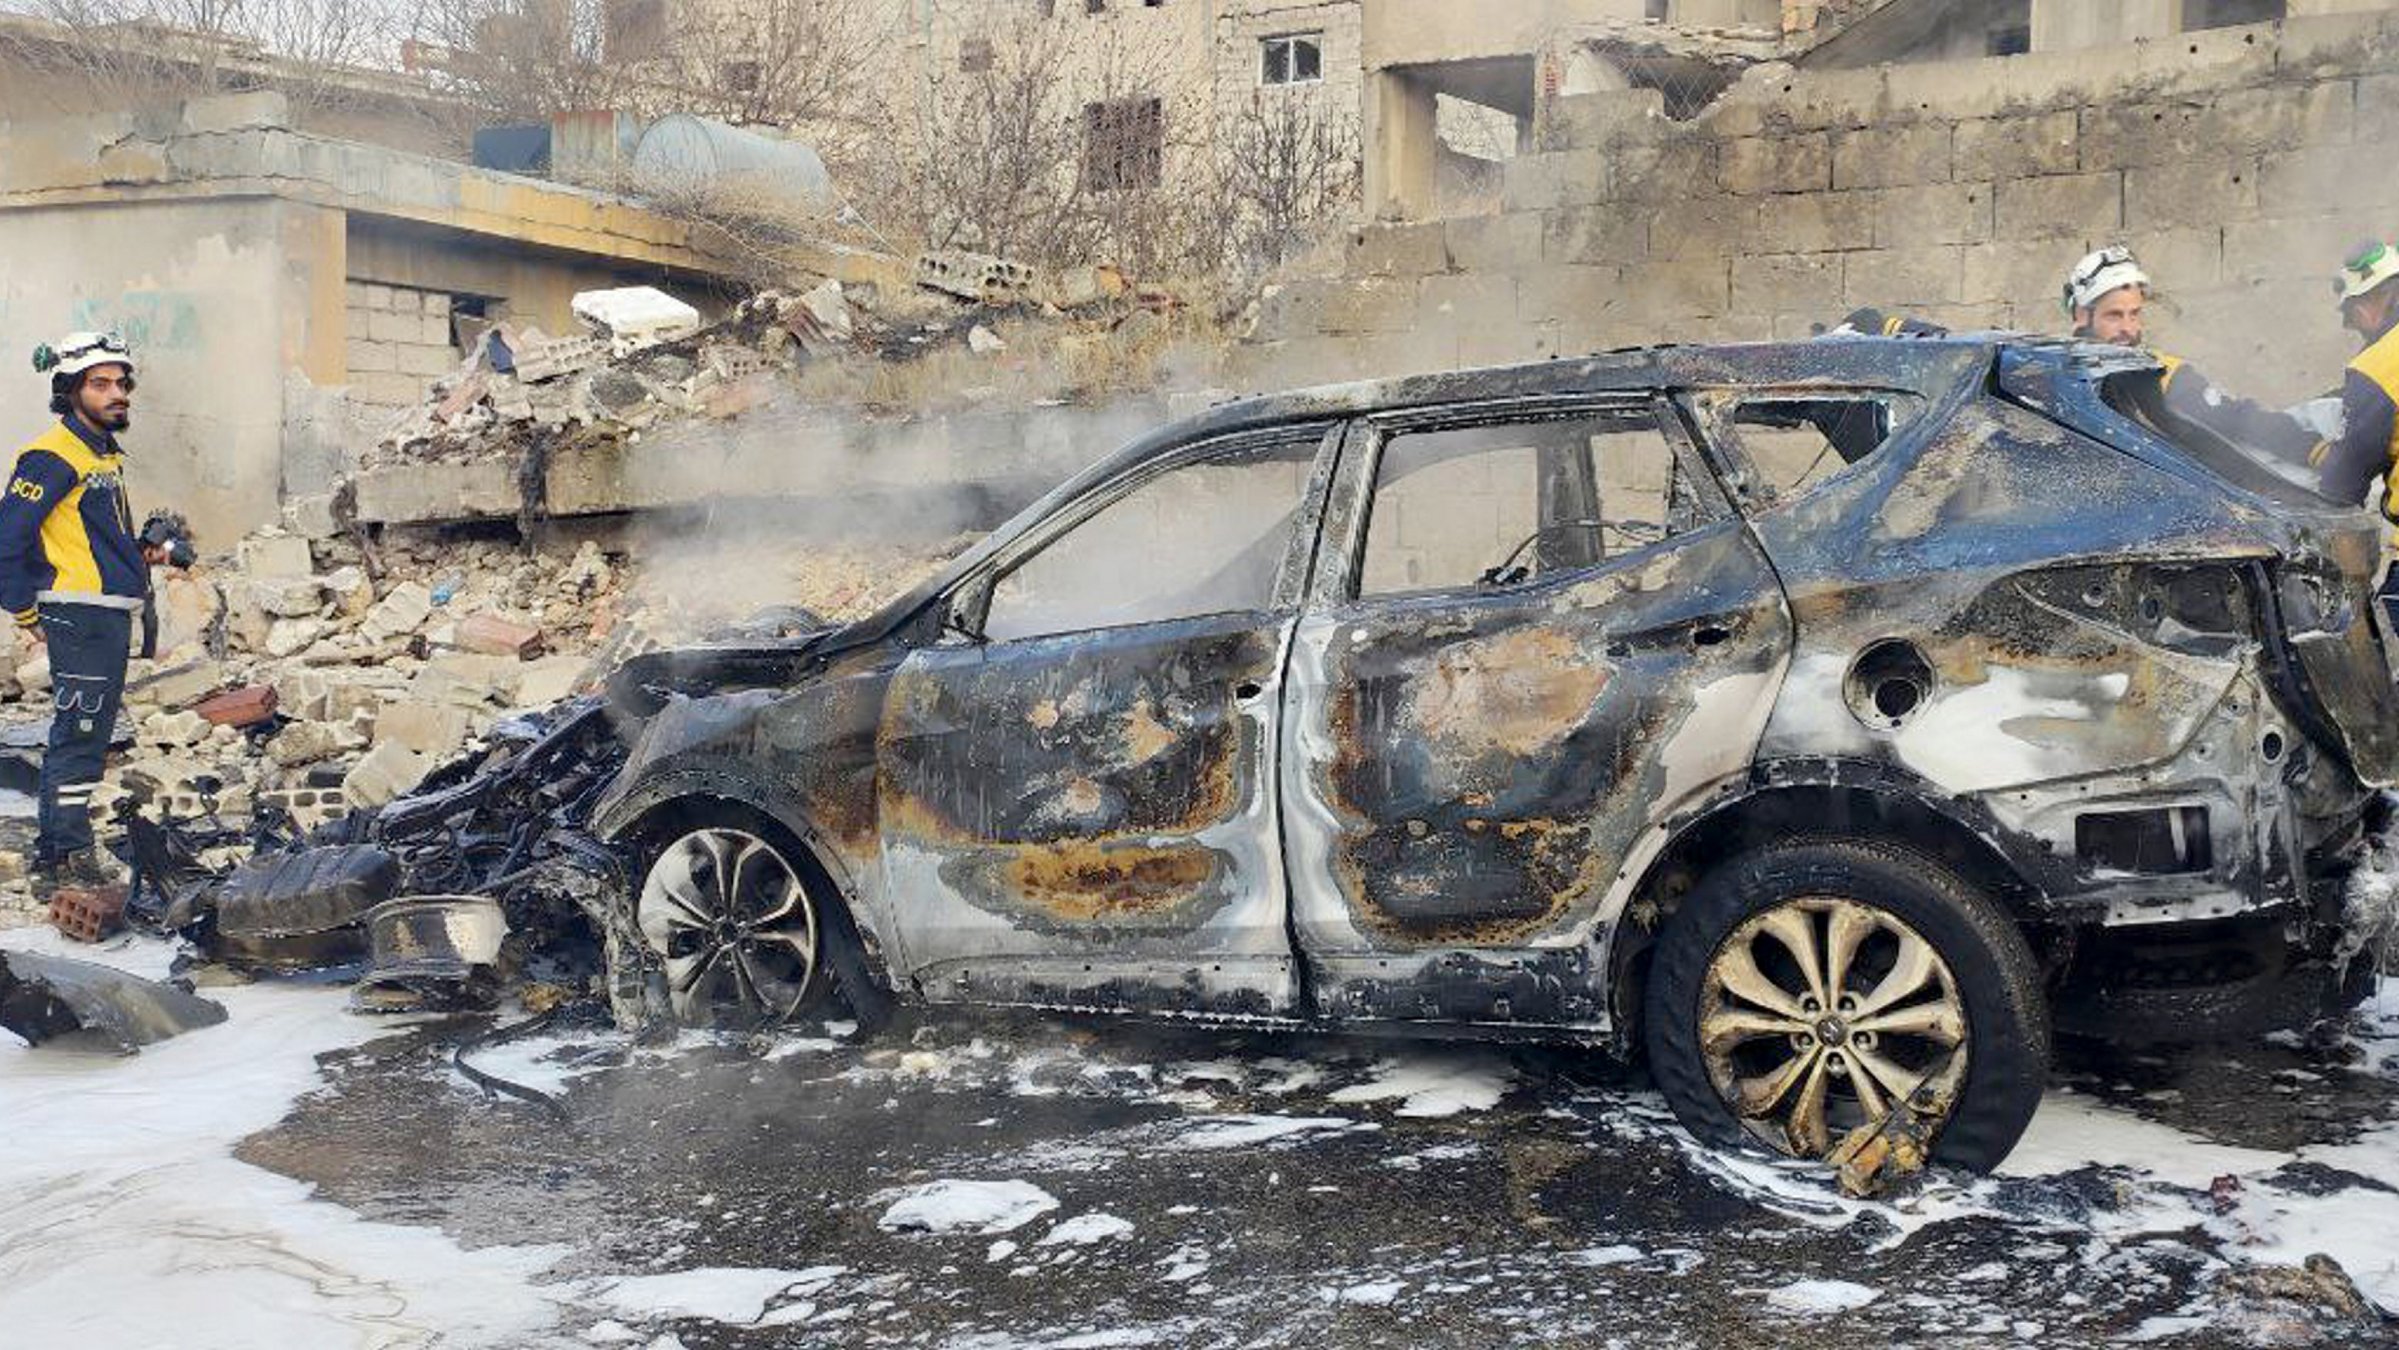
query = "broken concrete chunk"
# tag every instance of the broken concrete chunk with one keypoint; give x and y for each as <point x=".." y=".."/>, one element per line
<point x="312" y="516"/>
<point x="186" y="684"/>
<point x="352" y="593"/>
<point x="389" y="770"/>
<point x="635" y="317"/>
<point x="289" y="597"/>
<point x="983" y="342"/>
<point x="423" y="728"/>
<point x="550" y="680"/>
<point x="177" y="729"/>
<point x="289" y="637"/>
<point x="400" y="613"/>
<point x="494" y="636"/>
<point x="244" y="707"/>
<point x="307" y="742"/>
<point x="973" y="276"/>
<point x="81" y="1005"/>
<point x="275" y="555"/>
<point x="1077" y="287"/>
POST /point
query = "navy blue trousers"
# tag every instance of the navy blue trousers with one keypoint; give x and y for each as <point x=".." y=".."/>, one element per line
<point x="88" y="646"/>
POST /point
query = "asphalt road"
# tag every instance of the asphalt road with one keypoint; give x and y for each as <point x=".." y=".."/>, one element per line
<point x="1308" y="1191"/>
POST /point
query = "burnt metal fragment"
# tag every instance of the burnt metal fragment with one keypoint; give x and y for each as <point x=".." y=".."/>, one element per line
<point x="432" y="953"/>
<point x="85" y="1006"/>
<point x="299" y="911"/>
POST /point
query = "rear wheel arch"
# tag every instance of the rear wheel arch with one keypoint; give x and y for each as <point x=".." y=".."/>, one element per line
<point x="1857" y="801"/>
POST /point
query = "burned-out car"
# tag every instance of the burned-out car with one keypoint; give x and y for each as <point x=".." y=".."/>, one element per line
<point x="1822" y="720"/>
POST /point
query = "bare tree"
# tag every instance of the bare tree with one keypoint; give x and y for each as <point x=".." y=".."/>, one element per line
<point x="141" y="54"/>
<point x="1288" y="171"/>
<point x="809" y="66"/>
<point x="523" y="60"/>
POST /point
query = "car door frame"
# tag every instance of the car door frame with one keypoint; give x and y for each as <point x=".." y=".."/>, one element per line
<point x="1162" y="970"/>
<point x="1549" y="981"/>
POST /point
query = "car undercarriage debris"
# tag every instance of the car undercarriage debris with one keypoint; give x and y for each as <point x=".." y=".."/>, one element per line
<point x="432" y="953"/>
<point x="1881" y="1154"/>
<point x="82" y="1005"/>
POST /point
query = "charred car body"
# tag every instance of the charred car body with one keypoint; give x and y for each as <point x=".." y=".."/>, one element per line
<point x="1822" y="718"/>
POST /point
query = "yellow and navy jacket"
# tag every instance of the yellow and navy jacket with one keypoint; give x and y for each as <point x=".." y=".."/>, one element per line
<point x="66" y="530"/>
<point x="2369" y="442"/>
<point x="2194" y="398"/>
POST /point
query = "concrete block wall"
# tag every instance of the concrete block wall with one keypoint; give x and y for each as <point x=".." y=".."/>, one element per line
<point x="2239" y="163"/>
<point x="398" y="341"/>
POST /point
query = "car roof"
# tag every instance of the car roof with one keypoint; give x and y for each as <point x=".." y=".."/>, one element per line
<point x="1923" y="365"/>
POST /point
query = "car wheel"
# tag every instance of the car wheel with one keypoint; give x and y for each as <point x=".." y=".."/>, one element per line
<point x="1803" y="991"/>
<point x="724" y="930"/>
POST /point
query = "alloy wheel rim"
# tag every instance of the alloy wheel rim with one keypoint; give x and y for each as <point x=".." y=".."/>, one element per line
<point x="732" y="927"/>
<point x="1820" y="1015"/>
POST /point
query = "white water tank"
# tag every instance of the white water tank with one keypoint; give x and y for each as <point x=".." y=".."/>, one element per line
<point x="682" y="155"/>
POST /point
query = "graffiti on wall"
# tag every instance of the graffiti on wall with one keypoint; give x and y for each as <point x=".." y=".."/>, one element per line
<point x="148" y="320"/>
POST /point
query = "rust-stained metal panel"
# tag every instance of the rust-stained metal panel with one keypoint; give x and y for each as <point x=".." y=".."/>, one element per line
<point x="1104" y="796"/>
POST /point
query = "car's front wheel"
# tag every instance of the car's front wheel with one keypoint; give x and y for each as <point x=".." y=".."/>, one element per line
<point x="1809" y="994"/>
<point x="725" y="930"/>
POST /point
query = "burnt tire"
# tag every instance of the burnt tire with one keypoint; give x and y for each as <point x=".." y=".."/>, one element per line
<point x="1745" y="930"/>
<point x="730" y="924"/>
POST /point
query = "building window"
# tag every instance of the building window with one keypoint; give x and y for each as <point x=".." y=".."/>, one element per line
<point x="1095" y="6"/>
<point x="741" y="77"/>
<point x="974" y="54"/>
<point x="2198" y="14"/>
<point x="2013" y="40"/>
<point x="1293" y="58"/>
<point x="1124" y="144"/>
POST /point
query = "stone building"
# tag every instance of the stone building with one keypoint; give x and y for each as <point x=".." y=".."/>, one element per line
<point x="272" y="281"/>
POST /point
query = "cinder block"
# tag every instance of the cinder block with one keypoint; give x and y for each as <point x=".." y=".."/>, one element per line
<point x="1399" y="250"/>
<point x="385" y="325"/>
<point x="1539" y="182"/>
<point x="1819" y="222"/>
<point x="1903" y="278"/>
<point x="375" y="296"/>
<point x="1703" y="227"/>
<point x="2377" y="116"/>
<point x="2065" y="204"/>
<point x="2199" y="192"/>
<point x="1374" y="305"/>
<point x="1614" y="233"/>
<point x="1469" y="301"/>
<point x="366" y="356"/>
<point x="2001" y="148"/>
<point x="429" y="362"/>
<point x="1495" y="243"/>
<point x="2181" y="259"/>
<point x="1590" y="121"/>
<point x="1568" y="292"/>
<point x="2027" y="274"/>
<point x="1892" y="156"/>
<point x="385" y="388"/>
<point x="433" y="328"/>
<point x="354" y="324"/>
<point x="2328" y="178"/>
<point x="1697" y="286"/>
<point x="1755" y="165"/>
<point x="1939" y="213"/>
<point x="1806" y="282"/>
<point x="2294" y="248"/>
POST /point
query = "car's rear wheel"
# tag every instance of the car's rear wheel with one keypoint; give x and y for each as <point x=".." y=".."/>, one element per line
<point x="1803" y="992"/>
<point x="727" y="929"/>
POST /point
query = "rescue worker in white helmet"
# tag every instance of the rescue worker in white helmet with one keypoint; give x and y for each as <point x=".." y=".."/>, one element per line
<point x="2107" y="296"/>
<point x="75" y="575"/>
<point x="2368" y="289"/>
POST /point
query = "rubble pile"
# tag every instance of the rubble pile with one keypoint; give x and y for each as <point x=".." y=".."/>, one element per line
<point x="317" y="676"/>
<point x="520" y="386"/>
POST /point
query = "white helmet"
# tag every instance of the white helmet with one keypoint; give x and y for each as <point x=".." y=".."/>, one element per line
<point x="79" y="352"/>
<point x="2100" y="273"/>
<point x="2368" y="266"/>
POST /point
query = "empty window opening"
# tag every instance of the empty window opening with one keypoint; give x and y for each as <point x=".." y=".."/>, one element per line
<point x="1202" y="538"/>
<point x="1124" y="144"/>
<point x="975" y="54"/>
<point x="1507" y="504"/>
<point x="2198" y="14"/>
<point x="740" y="77"/>
<point x="1788" y="446"/>
<point x="1292" y="58"/>
<point x="2011" y="40"/>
